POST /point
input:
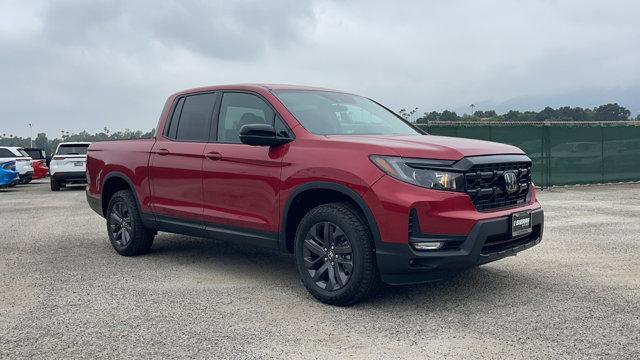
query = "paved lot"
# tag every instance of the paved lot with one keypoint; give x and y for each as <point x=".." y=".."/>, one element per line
<point x="65" y="293"/>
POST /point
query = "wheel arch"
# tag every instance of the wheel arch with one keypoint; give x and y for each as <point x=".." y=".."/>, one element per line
<point x="290" y="219"/>
<point x="112" y="183"/>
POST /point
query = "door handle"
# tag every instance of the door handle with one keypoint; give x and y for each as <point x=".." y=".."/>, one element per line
<point x="213" y="155"/>
<point x="162" y="152"/>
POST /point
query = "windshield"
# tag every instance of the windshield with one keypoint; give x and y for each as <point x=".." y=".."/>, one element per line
<point x="72" y="149"/>
<point x="333" y="113"/>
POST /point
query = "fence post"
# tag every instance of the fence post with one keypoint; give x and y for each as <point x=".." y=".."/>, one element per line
<point x="547" y="136"/>
<point x="602" y="151"/>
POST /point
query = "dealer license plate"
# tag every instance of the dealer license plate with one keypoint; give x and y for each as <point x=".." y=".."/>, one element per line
<point x="520" y="223"/>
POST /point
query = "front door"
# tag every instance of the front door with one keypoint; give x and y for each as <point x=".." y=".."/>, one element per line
<point x="242" y="182"/>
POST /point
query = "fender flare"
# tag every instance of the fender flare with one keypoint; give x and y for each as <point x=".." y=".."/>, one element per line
<point x="148" y="219"/>
<point x="373" y="225"/>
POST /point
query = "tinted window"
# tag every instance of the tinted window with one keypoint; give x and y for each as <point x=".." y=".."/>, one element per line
<point x="35" y="154"/>
<point x="23" y="153"/>
<point x="195" y="117"/>
<point x="173" y="124"/>
<point x="327" y="112"/>
<point x="6" y="153"/>
<point x="238" y="109"/>
<point x="72" y="149"/>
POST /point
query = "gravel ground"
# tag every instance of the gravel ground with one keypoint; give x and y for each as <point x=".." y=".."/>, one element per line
<point x="64" y="293"/>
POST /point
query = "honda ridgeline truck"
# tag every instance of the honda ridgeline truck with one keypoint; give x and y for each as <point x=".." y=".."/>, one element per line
<point x="357" y="194"/>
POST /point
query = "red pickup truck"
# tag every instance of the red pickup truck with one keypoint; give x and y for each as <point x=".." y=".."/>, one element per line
<point x="359" y="195"/>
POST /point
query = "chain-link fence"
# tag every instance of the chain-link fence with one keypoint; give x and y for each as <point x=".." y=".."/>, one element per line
<point x="563" y="153"/>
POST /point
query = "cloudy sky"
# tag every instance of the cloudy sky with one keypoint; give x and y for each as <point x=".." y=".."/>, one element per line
<point x="78" y="65"/>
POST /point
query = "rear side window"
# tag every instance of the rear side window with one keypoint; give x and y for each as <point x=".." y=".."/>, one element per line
<point x="194" y="118"/>
<point x="238" y="109"/>
<point x="23" y="153"/>
<point x="6" y="153"/>
<point x="35" y="154"/>
<point x="74" y="149"/>
<point x="173" y="125"/>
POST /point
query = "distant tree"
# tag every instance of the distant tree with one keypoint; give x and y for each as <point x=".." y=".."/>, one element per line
<point x="41" y="141"/>
<point x="512" y="115"/>
<point x="546" y="114"/>
<point x="449" y="116"/>
<point x="611" y="112"/>
<point x="638" y="117"/>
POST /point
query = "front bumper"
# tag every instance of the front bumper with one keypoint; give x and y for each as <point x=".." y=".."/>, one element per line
<point x="489" y="240"/>
<point x="8" y="177"/>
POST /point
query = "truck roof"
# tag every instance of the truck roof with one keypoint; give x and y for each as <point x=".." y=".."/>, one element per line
<point x="255" y="87"/>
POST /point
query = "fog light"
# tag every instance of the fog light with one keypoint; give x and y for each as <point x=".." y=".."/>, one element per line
<point x="430" y="245"/>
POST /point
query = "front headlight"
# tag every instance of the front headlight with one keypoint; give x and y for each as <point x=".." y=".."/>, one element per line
<point x="421" y="172"/>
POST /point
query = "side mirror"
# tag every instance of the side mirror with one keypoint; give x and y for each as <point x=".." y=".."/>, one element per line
<point x="261" y="135"/>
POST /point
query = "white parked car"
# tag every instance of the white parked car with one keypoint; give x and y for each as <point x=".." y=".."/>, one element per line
<point x="68" y="164"/>
<point x="22" y="159"/>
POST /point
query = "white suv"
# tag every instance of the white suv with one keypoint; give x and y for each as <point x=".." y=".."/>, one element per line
<point x="68" y="164"/>
<point x="22" y="159"/>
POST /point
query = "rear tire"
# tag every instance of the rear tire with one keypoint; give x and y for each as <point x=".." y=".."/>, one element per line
<point x="128" y="236"/>
<point x="55" y="186"/>
<point x="346" y="254"/>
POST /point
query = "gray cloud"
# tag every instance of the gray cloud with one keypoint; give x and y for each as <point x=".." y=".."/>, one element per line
<point x="77" y="65"/>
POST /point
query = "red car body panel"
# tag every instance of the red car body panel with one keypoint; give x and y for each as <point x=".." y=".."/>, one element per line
<point x="40" y="169"/>
<point x="249" y="187"/>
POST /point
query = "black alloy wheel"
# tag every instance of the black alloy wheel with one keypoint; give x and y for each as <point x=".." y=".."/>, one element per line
<point x="120" y="224"/>
<point x="335" y="254"/>
<point x="127" y="233"/>
<point x="328" y="256"/>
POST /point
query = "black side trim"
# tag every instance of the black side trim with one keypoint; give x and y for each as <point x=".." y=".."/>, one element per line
<point x="94" y="203"/>
<point x="216" y="231"/>
<point x="282" y="238"/>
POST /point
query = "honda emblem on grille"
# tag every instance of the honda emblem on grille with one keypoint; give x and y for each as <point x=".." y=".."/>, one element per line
<point x="510" y="182"/>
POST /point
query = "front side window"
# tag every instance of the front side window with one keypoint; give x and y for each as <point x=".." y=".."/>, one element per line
<point x="334" y="113"/>
<point x="239" y="109"/>
<point x="195" y="118"/>
<point x="73" y="149"/>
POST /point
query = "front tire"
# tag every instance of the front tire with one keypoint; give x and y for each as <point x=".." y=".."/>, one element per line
<point x="128" y="236"/>
<point x="335" y="255"/>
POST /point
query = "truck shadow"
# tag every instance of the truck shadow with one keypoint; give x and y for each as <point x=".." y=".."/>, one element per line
<point x="245" y="264"/>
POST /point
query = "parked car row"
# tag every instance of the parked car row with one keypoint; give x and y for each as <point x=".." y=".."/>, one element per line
<point x="21" y="165"/>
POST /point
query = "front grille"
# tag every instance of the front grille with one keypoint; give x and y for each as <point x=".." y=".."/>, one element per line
<point x="486" y="185"/>
<point x="502" y="242"/>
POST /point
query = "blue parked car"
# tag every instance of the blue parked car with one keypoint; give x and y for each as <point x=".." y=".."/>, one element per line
<point x="8" y="174"/>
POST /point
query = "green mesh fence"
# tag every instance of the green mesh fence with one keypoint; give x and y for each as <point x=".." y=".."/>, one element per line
<point x="564" y="154"/>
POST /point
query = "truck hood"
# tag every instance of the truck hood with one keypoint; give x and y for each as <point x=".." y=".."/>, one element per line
<point x="430" y="146"/>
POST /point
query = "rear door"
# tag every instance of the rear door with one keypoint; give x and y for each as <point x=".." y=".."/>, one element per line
<point x="242" y="182"/>
<point x="175" y="167"/>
